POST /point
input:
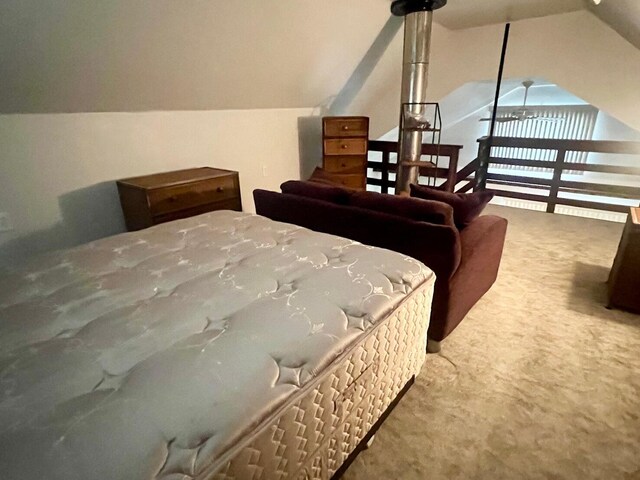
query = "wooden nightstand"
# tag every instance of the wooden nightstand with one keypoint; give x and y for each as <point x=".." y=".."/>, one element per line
<point x="162" y="197"/>
<point x="624" y="280"/>
<point x="345" y="145"/>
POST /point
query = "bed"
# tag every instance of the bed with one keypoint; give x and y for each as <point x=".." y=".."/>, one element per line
<point x="223" y="346"/>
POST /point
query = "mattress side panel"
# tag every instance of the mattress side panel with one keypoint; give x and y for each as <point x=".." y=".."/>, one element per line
<point x="313" y="436"/>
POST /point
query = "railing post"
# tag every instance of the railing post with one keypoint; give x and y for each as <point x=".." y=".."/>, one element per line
<point x="384" y="172"/>
<point x="555" y="182"/>
<point x="484" y="153"/>
<point x="451" y="182"/>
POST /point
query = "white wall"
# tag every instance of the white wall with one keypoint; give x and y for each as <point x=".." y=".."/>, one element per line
<point x="576" y="51"/>
<point x="58" y="170"/>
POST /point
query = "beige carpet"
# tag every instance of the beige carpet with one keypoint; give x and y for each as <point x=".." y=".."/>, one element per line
<point x="540" y="381"/>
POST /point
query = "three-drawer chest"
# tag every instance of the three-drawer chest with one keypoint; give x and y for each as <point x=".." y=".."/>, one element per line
<point x="345" y="145"/>
<point x="162" y="197"/>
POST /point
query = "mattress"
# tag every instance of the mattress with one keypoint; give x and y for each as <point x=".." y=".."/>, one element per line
<point x="221" y="346"/>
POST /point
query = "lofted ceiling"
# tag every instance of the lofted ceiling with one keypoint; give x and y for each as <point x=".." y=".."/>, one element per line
<point x="122" y="55"/>
<point x="621" y="15"/>
<point x="460" y="14"/>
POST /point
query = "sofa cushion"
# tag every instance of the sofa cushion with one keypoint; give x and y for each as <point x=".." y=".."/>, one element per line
<point x="466" y="206"/>
<point x="438" y="213"/>
<point x="319" y="191"/>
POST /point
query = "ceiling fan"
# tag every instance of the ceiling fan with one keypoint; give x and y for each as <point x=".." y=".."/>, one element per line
<point x="521" y="114"/>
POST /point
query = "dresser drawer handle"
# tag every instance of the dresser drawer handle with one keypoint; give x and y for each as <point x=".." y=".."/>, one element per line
<point x="173" y="198"/>
<point x="344" y="146"/>
<point x="220" y="189"/>
<point x="345" y="128"/>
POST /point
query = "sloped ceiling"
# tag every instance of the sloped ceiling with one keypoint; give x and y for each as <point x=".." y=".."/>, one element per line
<point x="460" y="14"/>
<point x="622" y="15"/>
<point x="124" y="55"/>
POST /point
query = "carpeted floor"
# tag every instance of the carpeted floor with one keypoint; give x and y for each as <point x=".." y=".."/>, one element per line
<point x="540" y="381"/>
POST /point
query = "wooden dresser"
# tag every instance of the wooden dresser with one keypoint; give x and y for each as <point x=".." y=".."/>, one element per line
<point x="163" y="197"/>
<point x="344" y="149"/>
<point x="624" y="281"/>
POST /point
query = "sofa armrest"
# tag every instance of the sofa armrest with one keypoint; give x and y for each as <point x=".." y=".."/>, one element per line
<point x="484" y="236"/>
<point x="482" y="244"/>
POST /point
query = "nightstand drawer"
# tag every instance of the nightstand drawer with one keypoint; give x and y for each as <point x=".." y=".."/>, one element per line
<point x="346" y="164"/>
<point x="345" y="146"/>
<point x="346" y="127"/>
<point x="229" y="204"/>
<point x="162" y="197"/>
<point x="183" y="197"/>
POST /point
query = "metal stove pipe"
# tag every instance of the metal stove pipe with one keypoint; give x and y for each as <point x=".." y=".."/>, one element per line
<point x="415" y="69"/>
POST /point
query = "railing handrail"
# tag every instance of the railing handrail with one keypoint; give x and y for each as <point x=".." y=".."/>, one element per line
<point x="388" y="147"/>
<point x="464" y="173"/>
<point x="445" y="150"/>
<point x="551" y="164"/>
<point x="556" y="185"/>
<point x="594" y="146"/>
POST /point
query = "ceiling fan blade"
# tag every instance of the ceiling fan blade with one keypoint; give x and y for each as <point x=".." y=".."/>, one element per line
<point x="501" y="119"/>
<point x="550" y="119"/>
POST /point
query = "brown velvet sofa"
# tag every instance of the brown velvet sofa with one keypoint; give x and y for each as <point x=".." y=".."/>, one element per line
<point x="465" y="262"/>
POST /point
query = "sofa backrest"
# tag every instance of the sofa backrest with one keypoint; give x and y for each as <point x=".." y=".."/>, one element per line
<point x="429" y="211"/>
<point x="319" y="191"/>
<point x="437" y="246"/>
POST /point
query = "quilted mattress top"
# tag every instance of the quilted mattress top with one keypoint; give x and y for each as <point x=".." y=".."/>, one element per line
<point x="149" y="354"/>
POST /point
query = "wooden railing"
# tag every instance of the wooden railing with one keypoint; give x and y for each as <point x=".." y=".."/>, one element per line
<point x="385" y="166"/>
<point x="555" y="186"/>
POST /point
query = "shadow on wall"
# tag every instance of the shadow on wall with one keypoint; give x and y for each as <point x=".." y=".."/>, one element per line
<point x="310" y="128"/>
<point x="87" y="214"/>
<point x="310" y="144"/>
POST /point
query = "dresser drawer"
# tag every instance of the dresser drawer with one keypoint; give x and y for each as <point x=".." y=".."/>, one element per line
<point x="189" y="195"/>
<point x="229" y="204"/>
<point x="345" y="164"/>
<point x="346" y="127"/>
<point x="345" y="146"/>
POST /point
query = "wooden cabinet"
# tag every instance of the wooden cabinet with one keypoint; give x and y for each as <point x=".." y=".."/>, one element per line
<point x="345" y="146"/>
<point x="624" y="281"/>
<point x="162" y="197"/>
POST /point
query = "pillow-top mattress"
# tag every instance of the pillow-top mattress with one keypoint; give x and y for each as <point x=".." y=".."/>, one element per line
<point x="128" y="356"/>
